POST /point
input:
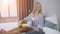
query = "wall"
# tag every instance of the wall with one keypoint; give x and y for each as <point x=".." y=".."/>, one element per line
<point x="51" y="7"/>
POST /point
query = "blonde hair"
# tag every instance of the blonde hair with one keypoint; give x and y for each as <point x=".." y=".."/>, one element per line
<point x="40" y="9"/>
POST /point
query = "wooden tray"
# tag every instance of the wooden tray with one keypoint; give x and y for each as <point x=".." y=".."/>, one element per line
<point x="25" y="29"/>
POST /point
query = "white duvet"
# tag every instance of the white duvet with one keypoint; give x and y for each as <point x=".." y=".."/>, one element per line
<point x="12" y="25"/>
<point x="8" y="26"/>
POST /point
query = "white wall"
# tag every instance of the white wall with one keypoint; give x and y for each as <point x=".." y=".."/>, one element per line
<point x="49" y="6"/>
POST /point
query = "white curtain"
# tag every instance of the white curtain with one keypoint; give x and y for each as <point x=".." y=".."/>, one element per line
<point x="8" y="8"/>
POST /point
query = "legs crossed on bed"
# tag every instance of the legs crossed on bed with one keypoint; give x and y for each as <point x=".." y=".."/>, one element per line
<point x="14" y="31"/>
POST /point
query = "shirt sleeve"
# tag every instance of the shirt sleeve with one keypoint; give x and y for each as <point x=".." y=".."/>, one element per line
<point x="41" y="22"/>
<point x="28" y="18"/>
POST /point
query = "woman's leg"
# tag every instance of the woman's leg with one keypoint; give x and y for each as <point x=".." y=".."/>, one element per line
<point x="41" y="32"/>
<point x="31" y="32"/>
<point x="14" y="31"/>
<point x="34" y="32"/>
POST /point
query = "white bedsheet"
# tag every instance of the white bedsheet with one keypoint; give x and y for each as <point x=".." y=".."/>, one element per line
<point x="12" y="25"/>
<point x="8" y="26"/>
<point x="50" y="31"/>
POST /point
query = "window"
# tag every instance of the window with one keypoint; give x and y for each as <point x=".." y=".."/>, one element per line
<point x="8" y="10"/>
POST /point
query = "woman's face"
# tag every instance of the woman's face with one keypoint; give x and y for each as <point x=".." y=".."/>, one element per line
<point x="36" y="8"/>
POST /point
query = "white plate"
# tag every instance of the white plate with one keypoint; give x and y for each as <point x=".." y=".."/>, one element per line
<point x="25" y="25"/>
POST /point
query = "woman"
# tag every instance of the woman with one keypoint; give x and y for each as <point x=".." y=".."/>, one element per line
<point x="35" y="19"/>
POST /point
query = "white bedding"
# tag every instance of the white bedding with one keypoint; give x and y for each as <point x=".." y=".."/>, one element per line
<point x="50" y="31"/>
<point x="12" y="25"/>
<point x="8" y="26"/>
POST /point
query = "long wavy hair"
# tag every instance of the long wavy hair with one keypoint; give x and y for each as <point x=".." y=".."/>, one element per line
<point x="40" y="7"/>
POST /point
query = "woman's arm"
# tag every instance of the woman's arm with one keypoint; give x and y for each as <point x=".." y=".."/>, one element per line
<point x="40" y="22"/>
<point x="28" y="18"/>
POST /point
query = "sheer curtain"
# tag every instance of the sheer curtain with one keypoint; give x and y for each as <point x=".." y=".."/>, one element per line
<point x="8" y="11"/>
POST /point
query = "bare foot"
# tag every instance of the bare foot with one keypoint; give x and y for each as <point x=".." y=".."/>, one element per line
<point x="3" y="31"/>
<point x="0" y="30"/>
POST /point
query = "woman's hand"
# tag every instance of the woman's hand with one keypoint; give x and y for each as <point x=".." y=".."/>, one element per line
<point x="23" y="21"/>
<point x="38" y="30"/>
